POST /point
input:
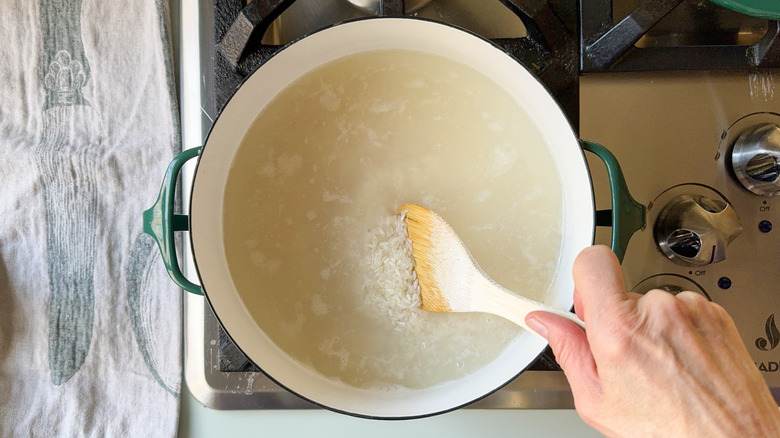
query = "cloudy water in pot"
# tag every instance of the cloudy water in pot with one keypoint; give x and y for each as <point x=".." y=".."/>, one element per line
<point x="316" y="249"/>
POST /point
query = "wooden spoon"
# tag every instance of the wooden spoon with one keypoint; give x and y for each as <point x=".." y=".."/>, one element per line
<point x="450" y="279"/>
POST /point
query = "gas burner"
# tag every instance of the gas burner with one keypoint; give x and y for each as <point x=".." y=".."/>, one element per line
<point x="236" y="38"/>
<point x="545" y="45"/>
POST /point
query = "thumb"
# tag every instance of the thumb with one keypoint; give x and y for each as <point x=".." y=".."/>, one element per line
<point x="572" y="351"/>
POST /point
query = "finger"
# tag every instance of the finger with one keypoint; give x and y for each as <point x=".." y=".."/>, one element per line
<point x="693" y="299"/>
<point x="578" y="305"/>
<point x="572" y="351"/>
<point x="598" y="285"/>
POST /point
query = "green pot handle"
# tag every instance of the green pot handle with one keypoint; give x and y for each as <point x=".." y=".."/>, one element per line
<point x="626" y="216"/>
<point x="161" y="223"/>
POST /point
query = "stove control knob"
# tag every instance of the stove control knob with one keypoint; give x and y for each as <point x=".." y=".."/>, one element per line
<point x="755" y="159"/>
<point x="694" y="230"/>
<point x="671" y="283"/>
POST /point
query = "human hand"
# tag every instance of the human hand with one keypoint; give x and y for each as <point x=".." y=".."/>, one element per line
<point x="655" y="364"/>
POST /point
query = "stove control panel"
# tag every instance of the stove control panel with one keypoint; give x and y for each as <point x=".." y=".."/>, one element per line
<point x="701" y="150"/>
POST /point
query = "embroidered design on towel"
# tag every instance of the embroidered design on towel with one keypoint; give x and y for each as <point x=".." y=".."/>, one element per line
<point x="67" y="161"/>
<point x="142" y="288"/>
<point x="64" y="80"/>
<point x="142" y="300"/>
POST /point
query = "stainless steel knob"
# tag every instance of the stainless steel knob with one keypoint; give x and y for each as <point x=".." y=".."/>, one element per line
<point x="694" y="230"/>
<point x="755" y="159"/>
<point x="671" y="283"/>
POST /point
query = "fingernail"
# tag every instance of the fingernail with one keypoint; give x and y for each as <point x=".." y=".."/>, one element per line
<point x="537" y="326"/>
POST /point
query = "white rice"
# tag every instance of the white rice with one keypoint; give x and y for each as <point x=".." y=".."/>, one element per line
<point x="393" y="293"/>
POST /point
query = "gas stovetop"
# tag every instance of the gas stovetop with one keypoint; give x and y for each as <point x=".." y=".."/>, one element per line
<point x="668" y="86"/>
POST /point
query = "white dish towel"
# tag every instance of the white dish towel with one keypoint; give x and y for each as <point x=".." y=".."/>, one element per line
<point x="90" y="325"/>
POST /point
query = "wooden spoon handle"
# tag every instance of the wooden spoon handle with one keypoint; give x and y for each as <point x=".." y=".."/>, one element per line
<point x="499" y="301"/>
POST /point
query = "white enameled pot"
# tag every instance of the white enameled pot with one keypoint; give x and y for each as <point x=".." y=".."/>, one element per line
<point x="214" y="162"/>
